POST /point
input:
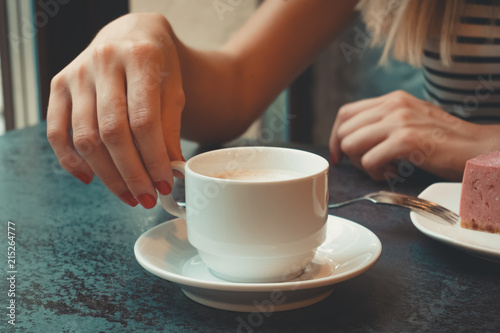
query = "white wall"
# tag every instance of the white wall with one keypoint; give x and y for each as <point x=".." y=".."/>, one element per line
<point x="204" y="24"/>
<point x="23" y="65"/>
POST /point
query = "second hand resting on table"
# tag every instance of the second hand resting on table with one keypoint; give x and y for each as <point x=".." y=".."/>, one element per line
<point x="374" y="133"/>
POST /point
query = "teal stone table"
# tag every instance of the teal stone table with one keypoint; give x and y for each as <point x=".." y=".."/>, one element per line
<point x="75" y="269"/>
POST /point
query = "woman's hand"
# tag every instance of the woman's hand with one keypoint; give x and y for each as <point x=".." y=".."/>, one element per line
<point x="116" y="109"/>
<point x="375" y="133"/>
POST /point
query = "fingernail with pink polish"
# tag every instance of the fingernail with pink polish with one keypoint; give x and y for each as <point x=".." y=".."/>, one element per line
<point x="147" y="200"/>
<point x="163" y="187"/>
<point x="129" y="199"/>
<point x="84" y="178"/>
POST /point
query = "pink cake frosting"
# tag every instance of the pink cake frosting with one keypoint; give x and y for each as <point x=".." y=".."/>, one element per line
<point x="480" y="198"/>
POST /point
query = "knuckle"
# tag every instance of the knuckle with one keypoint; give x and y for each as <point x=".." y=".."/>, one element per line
<point x="346" y="147"/>
<point x="84" y="141"/>
<point x="341" y="132"/>
<point x="54" y="135"/>
<point x="141" y="122"/>
<point x="160" y="18"/>
<point x="367" y="164"/>
<point x="343" y="113"/>
<point x="111" y="130"/>
<point x="144" y="51"/>
<point x="399" y="98"/>
<point x="404" y="116"/>
<point x="80" y="72"/>
<point x="406" y="135"/>
<point x="104" y="52"/>
<point x="58" y="82"/>
<point x="400" y="93"/>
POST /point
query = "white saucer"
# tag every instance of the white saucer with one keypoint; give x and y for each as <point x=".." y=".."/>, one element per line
<point x="481" y="244"/>
<point x="349" y="250"/>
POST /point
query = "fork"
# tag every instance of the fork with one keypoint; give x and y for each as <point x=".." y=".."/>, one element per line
<point x="418" y="205"/>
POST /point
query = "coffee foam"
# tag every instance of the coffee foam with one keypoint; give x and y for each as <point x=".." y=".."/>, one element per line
<point x="258" y="175"/>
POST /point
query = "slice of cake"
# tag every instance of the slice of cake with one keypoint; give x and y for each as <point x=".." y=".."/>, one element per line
<point x="480" y="198"/>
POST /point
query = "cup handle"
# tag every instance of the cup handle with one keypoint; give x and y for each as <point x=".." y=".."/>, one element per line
<point x="167" y="201"/>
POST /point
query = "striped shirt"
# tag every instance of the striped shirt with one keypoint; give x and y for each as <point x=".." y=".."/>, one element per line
<point x="470" y="86"/>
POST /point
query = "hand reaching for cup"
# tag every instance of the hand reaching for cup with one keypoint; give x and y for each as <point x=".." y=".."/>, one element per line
<point x="115" y="111"/>
<point x="377" y="132"/>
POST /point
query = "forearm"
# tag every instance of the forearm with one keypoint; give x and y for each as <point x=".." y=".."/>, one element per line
<point x="227" y="90"/>
<point x="214" y="110"/>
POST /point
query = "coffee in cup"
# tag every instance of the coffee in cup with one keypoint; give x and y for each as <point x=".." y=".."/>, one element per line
<point x="257" y="175"/>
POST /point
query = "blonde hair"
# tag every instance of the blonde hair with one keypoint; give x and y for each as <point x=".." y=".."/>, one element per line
<point x="403" y="26"/>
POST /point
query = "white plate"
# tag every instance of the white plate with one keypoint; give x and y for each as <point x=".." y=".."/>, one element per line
<point x="479" y="243"/>
<point x="349" y="250"/>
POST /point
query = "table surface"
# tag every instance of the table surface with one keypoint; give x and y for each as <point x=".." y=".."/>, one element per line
<point x="76" y="270"/>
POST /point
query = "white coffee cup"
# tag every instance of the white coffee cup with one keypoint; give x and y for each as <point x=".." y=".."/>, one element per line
<point x="260" y="222"/>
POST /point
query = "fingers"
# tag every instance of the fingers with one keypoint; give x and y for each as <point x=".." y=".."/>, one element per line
<point x="118" y="131"/>
<point x="59" y="132"/>
<point x="365" y="138"/>
<point x="345" y="113"/>
<point x="366" y="141"/>
<point x="144" y="98"/>
<point x="363" y="131"/>
<point x="359" y="121"/>
<point x="172" y="104"/>
<point x="378" y="161"/>
<point x="124" y="116"/>
<point x="87" y="140"/>
<point x="367" y="131"/>
<point x="124" y="165"/>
